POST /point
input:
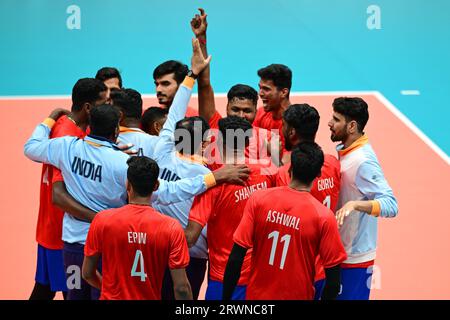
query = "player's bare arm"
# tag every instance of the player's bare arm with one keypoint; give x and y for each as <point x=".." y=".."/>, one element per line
<point x="332" y="283"/>
<point x="181" y="285"/>
<point x="206" y="101"/>
<point x="233" y="174"/>
<point x="89" y="271"/>
<point x="233" y="270"/>
<point x="192" y="232"/>
<point x="63" y="200"/>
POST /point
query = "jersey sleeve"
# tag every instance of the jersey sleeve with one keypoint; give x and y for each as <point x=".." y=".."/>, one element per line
<point x="94" y="241"/>
<point x="331" y="250"/>
<point x="371" y="182"/>
<point x="40" y="148"/>
<point x="179" y="251"/>
<point x="202" y="207"/>
<point x="183" y="189"/>
<point x="243" y="235"/>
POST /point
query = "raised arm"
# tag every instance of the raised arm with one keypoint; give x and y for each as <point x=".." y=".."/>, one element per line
<point x="206" y="103"/>
<point x="180" y="102"/>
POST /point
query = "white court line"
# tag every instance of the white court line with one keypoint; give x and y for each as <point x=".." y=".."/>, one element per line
<point x="422" y="136"/>
<point x="412" y="127"/>
<point x="410" y="92"/>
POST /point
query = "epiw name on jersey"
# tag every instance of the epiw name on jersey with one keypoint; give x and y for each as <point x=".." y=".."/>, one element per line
<point x="87" y="169"/>
<point x="324" y="184"/>
<point x="137" y="237"/>
<point x="283" y="219"/>
<point x="246" y="192"/>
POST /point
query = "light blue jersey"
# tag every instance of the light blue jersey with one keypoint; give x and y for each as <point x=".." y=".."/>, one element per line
<point x="363" y="179"/>
<point x="95" y="175"/>
<point x="139" y="139"/>
<point x="174" y="166"/>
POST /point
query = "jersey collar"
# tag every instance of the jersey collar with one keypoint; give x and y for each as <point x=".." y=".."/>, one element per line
<point x="97" y="141"/>
<point x="361" y="141"/>
<point x="127" y="129"/>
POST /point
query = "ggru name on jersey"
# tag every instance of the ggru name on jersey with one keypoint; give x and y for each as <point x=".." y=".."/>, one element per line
<point x="87" y="169"/>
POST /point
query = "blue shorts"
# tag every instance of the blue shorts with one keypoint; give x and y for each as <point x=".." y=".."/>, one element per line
<point x="319" y="285"/>
<point x="215" y="290"/>
<point x="50" y="269"/>
<point x="355" y="284"/>
<point x="78" y="289"/>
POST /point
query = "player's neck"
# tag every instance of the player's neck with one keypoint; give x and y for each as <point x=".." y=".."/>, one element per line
<point x="299" y="186"/>
<point x="141" y="201"/>
<point x="233" y="156"/>
<point x="351" y="139"/>
<point x="278" y="114"/>
<point x="130" y="123"/>
<point x="79" y="120"/>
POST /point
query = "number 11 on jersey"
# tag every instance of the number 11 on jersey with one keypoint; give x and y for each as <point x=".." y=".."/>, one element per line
<point x="286" y="239"/>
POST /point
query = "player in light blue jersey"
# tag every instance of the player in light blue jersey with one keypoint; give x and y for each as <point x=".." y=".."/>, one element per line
<point x="95" y="174"/>
<point x="365" y="196"/>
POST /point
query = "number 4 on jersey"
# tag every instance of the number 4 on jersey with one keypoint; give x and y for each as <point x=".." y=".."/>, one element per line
<point x="138" y="258"/>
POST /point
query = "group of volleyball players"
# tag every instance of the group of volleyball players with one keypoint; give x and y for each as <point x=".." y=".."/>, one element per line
<point x="143" y="204"/>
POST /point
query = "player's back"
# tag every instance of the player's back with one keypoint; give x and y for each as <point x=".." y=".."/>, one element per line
<point x="139" y="139"/>
<point x="290" y="230"/>
<point x="137" y="244"/>
<point x="326" y="187"/>
<point x="228" y="203"/>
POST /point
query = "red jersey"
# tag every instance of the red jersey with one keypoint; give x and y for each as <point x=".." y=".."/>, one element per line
<point x="221" y="208"/>
<point x="287" y="230"/>
<point x="325" y="189"/>
<point x="50" y="217"/>
<point x="265" y="120"/>
<point x="136" y="243"/>
<point x="190" y="112"/>
<point x="256" y="150"/>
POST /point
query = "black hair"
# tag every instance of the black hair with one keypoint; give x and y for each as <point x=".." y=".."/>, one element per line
<point x="104" y="120"/>
<point x="352" y="109"/>
<point x="196" y="128"/>
<point x="243" y="92"/>
<point x="235" y="128"/>
<point x="152" y="115"/>
<point x="306" y="161"/>
<point x="280" y="74"/>
<point x="129" y="101"/>
<point x="142" y="174"/>
<point x="179" y="70"/>
<point x="304" y="119"/>
<point x="86" y="90"/>
<point x="106" y="73"/>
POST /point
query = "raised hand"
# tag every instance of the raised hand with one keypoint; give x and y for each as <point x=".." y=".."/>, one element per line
<point x="198" y="61"/>
<point x="199" y="24"/>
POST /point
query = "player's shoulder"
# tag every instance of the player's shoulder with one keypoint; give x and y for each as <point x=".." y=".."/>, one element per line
<point x="65" y="127"/>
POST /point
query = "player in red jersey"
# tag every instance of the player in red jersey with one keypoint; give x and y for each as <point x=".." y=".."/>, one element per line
<point x="136" y="243"/>
<point x="54" y="198"/>
<point x="300" y="123"/>
<point x="287" y="228"/>
<point x="242" y="101"/>
<point x="221" y="209"/>
<point x="274" y="89"/>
